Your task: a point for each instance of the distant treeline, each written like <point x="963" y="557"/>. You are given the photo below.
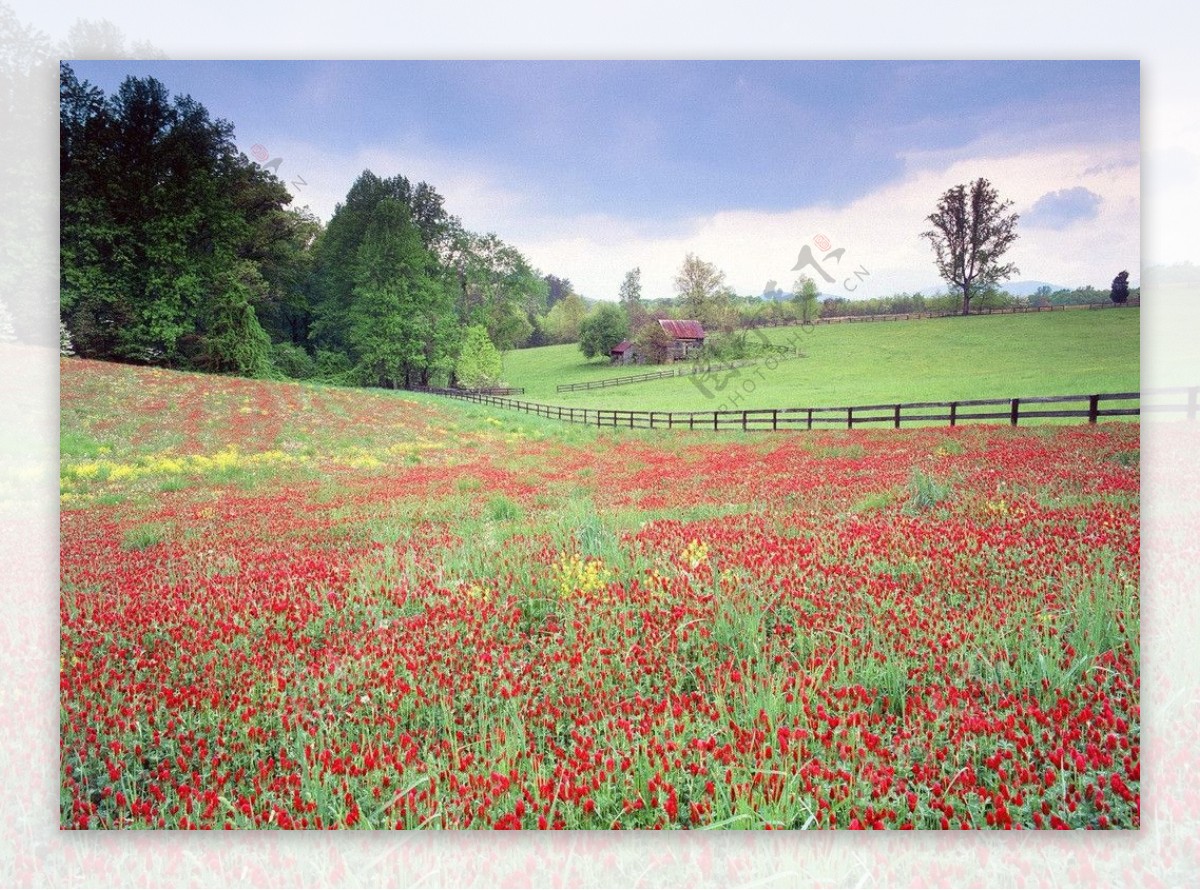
<point x="743" y="312"/>
<point x="996" y="298"/>
<point x="178" y="250"/>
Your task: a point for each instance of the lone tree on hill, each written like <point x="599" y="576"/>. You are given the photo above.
<point x="1120" y="288"/>
<point x="972" y="230"/>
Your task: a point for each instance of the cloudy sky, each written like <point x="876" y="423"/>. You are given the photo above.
<point x="591" y="168"/>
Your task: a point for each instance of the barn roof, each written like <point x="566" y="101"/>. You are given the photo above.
<point x="623" y="346"/>
<point x="683" y="330"/>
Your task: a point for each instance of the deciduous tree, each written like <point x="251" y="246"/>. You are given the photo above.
<point x="401" y="318"/>
<point x="630" y="297"/>
<point x="701" y="287"/>
<point x="159" y="217"/>
<point x="971" y="231"/>
<point x="479" y="361"/>
<point x="602" y="330"/>
<point x="561" y="323"/>
<point x="804" y="298"/>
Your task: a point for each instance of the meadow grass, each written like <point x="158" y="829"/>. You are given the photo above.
<point x="938" y="359"/>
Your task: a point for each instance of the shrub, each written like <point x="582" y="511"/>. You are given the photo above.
<point x="293" y="361"/>
<point x="924" y="492"/>
<point x="653" y="343"/>
<point x="65" y="347"/>
<point x="333" y="367"/>
<point x="142" y="536"/>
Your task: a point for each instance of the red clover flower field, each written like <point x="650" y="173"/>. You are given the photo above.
<point x="290" y="606"/>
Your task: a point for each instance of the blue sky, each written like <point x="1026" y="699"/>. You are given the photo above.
<point x="591" y="167"/>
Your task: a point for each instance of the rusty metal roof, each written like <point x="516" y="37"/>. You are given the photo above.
<point x="683" y="330"/>
<point x="622" y="346"/>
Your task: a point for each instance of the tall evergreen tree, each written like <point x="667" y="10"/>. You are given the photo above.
<point x="1119" y="293"/>
<point x="556" y="289"/>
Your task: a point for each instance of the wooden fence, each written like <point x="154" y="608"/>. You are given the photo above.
<point x="1089" y="408"/>
<point x="482" y="391"/>
<point x="904" y="316"/>
<point x="657" y="375"/>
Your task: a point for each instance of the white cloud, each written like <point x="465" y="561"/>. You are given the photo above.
<point x="880" y="231"/>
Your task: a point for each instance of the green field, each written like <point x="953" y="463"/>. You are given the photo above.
<point x="939" y="359"/>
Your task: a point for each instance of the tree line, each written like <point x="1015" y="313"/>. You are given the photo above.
<point x="177" y="250"/>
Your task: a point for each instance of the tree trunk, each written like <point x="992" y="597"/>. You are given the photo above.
<point x="966" y="306"/>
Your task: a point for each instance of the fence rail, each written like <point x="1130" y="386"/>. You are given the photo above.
<point x="661" y="375"/>
<point x="1090" y="408"/>
<point x="904" y="316"/>
<point x="482" y="391"/>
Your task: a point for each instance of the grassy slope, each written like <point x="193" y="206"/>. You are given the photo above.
<point x="928" y="359"/>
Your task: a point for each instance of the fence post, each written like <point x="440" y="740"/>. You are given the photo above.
<point x="715" y="421"/>
<point x="1093" y="408"/>
<point x="897" y="417"/>
<point x="744" y="413"/>
<point x="810" y="418"/>
<point x="775" y="420"/>
<point x="1016" y="411"/>
<point x="1191" y="415"/>
<point x="953" y="412"/>
<point x="691" y="421"/>
<point x="849" y="418"/>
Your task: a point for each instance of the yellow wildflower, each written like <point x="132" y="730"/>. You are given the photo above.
<point x="695" y="553"/>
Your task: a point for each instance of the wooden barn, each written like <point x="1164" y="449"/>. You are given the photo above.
<point x="624" y="353"/>
<point x="688" y="337"/>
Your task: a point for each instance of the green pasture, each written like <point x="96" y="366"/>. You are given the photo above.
<point x="939" y="359"/>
